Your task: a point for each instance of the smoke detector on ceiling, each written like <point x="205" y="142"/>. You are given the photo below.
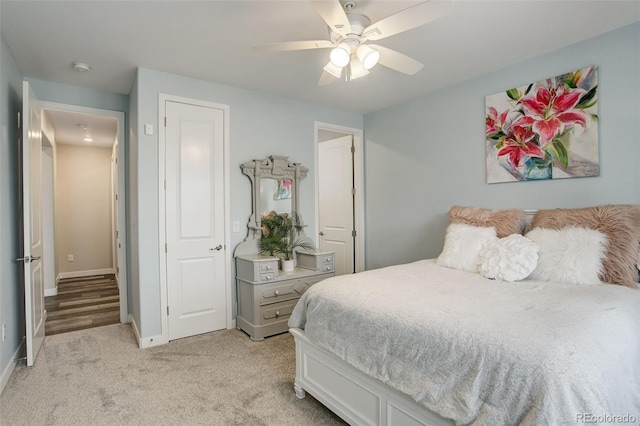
<point x="81" y="67"/>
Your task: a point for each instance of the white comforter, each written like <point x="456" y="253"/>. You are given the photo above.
<point x="480" y="351"/>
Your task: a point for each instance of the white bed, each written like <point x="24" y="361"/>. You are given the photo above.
<point x="423" y="344"/>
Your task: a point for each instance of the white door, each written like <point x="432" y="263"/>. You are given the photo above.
<point x="32" y="222"/>
<point x="195" y="222"/>
<point x="335" y="210"/>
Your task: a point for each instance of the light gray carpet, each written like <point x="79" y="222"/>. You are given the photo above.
<point x="100" y="377"/>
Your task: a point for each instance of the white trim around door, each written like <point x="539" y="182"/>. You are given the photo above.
<point x="121" y="272"/>
<point x="162" y="100"/>
<point x="358" y="179"/>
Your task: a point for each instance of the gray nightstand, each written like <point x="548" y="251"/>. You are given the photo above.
<point x="267" y="296"/>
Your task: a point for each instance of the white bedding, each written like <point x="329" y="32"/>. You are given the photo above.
<point x="480" y="351"/>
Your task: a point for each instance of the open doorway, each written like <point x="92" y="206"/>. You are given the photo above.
<point x="340" y="195"/>
<point x="84" y="217"/>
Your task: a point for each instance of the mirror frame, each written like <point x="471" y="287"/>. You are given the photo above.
<point x="274" y="167"/>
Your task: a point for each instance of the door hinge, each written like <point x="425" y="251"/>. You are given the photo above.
<point x="165" y="247"/>
<point x="165" y="185"/>
<point x="165" y="122"/>
<point x="19" y="120"/>
<point x="353" y="233"/>
<point x="117" y="269"/>
<point x="117" y="233"/>
<point x="353" y="191"/>
<point x="353" y="149"/>
<point x="167" y="311"/>
<point x="116" y="197"/>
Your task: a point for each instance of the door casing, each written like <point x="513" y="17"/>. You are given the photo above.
<point x="123" y="283"/>
<point x="358" y="179"/>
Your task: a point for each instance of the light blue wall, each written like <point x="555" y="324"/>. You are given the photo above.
<point x="426" y="155"/>
<point x="260" y="125"/>
<point x="11" y="292"/>
<point x="80" y="96"/>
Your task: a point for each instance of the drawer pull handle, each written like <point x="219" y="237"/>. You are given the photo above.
<point x="268" y="277"/>
<point x="328" y="259"/>
<point x="328" y="268"/>
<point x="277" y="314"/>
<point x="277" y="292"/>
<point x="267" y="267"/>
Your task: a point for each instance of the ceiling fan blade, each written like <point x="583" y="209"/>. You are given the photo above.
<point x="333" y="14"/>
<point x="330" y="73"/>
<point x="292" y="45"/>
<point x="326" y="79"/>
<point x="407" y="19"/>
<point x="397" y="61"/>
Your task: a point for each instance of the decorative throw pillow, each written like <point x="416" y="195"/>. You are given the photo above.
<point x="511" y="258"/>
<point x="506" y="222"/>
<point x="569" y="255"/>
<point x="462" y="243"/>
<point x="621" y="225"/>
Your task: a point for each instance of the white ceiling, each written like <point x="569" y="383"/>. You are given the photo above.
<point x="210" y="40"/>
<point x="72" y="128"/>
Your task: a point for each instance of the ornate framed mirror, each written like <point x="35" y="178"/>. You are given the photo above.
<point x="275" y="185"/>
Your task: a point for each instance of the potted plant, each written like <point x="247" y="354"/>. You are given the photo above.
<point x="281" y="235"/>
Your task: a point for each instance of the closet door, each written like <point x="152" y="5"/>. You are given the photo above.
<point x="195" y="222"/>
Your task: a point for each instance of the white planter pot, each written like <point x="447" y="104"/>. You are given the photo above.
<point x="288" y="265"/>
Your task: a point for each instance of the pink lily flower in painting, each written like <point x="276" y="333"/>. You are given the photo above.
<point x="550" y="110"/>
<point x="519" y="143"/>
<point x="495" y="122"/>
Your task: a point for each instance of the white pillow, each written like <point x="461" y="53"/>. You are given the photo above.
<point x="511" y="258"/>
<point x="462" y="243"/>
<point x="569" y="255"/>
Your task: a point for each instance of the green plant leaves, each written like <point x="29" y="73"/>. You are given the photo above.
<point x="589" y="99"/>
<point x="559" y="152"/>
<point x="513" y="94"/>
<point x="282" y="234"/>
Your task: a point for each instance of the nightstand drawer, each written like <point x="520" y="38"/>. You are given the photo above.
<point x="269" y="266"/>
<point x="269" y="276"/>
<point x="275" y="293"/>
<point x="316" y="261"/>
<point x="257" y="268"/>
<point x="277" y="311"/>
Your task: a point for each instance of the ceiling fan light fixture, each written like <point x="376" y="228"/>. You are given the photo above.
<point x="368" y="57"/>
<point x="356" y="69"/>
<point x="340" y="55"/>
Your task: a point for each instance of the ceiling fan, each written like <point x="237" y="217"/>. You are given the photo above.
<point x="351" y="56"/>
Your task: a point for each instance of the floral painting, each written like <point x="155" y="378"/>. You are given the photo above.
<point x="544" y="130"/>
<point x="283" y="189"/>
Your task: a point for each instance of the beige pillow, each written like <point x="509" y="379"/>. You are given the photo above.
<point x="621" y="225"/>
<point x="506" y="222"/>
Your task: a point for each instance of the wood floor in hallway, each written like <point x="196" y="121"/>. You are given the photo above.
<point x="84" y="302"/>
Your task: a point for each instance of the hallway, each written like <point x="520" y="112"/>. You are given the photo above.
<point x="81" y="303"/>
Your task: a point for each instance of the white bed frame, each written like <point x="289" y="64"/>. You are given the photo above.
<point x="355" y="397"/>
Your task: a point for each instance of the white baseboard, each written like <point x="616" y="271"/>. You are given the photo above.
<point x="6" y="373"/>
<point x="79" y="274"/>
<point x="50" y="292"/>
<point x="146" y="342"/>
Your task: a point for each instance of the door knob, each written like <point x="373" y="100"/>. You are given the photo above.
<point x="321" y="233"/>
<point x="218" y="247"/>
<point x="28" y="259"/>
